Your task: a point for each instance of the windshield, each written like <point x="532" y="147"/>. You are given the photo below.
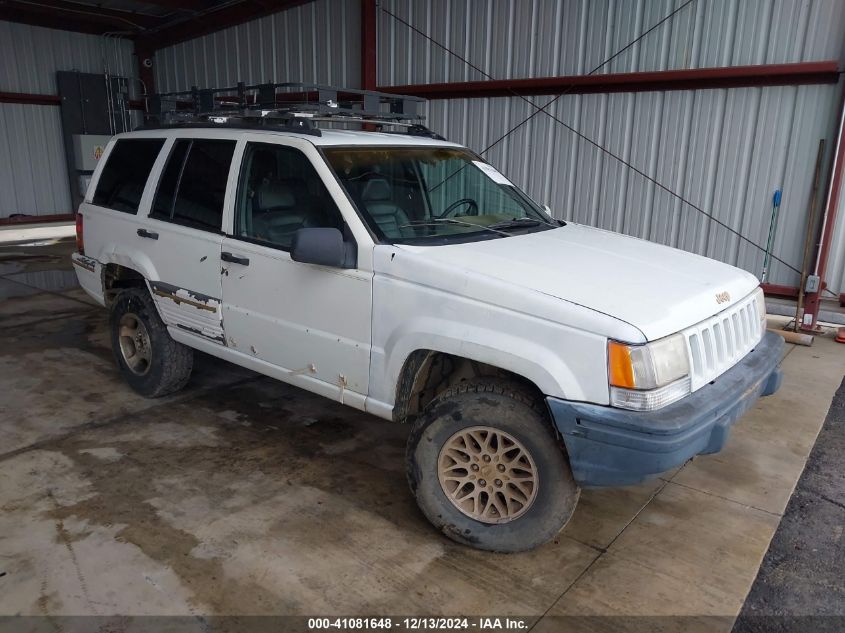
<point x="433" y="195"/>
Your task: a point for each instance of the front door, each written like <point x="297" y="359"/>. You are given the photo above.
<point x="311" y="323"/>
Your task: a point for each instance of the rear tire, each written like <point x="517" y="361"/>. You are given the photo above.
<point x="487" y="469"/>
<point x="152" y="363"/>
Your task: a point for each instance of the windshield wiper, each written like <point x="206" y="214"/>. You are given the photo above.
<point x="436" y="221"/>
<point x="516" y="223"/>
<point x="525" y="221"/>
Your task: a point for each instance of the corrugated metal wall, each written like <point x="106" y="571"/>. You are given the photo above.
<point x="319" y="42"/>
<point x="31" y="55"/>
<point x="537" y="38"/>
<point x="724" y="150"/>
<point x="33" y="172"/>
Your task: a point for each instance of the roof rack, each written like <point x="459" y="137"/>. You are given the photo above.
<point x="293" y="107"/>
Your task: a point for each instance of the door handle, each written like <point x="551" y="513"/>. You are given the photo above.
<point x="146" y="233"/>
<point x="235" y="259"/>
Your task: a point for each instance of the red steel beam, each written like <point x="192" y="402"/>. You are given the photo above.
<point x="697" y="78"/>
<point x="26" y="98"/>
<point x="368" y="44"/>
<point x="176" y="5"/>
<point x="145" y="58"/>
<point x="38" y="219"/>
<point x="776" y="290"/>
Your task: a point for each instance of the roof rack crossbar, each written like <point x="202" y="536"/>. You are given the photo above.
<point x="268" y="94"/>
<point x="288" y="106"/>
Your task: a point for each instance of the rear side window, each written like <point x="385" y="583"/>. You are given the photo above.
<point x="169" y="183"/>
<point x="125" y="174"/>
<point x="193" y="184"/>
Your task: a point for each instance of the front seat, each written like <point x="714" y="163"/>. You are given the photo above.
<point x="276" y="217"/>
<point x="390" y="218"/>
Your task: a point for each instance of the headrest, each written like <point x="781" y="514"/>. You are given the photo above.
<point x="263" y="164"/>
<point x="274" y="195"/>
<point x="376" y="190"/>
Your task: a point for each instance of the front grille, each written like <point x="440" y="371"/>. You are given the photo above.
<point x="720" y="342"/>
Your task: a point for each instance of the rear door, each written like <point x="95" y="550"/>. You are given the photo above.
<point x="183" y="234"/>
<point x="111" y="208"/>
<point x="110" y="211"/>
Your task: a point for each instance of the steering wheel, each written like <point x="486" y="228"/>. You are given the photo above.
<point x="450" y="210"/>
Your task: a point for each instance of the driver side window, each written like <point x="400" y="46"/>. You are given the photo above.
<point x="279" y="193"/>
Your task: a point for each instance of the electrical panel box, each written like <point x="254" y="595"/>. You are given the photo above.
<point x="87" y="149"/>
<point x="813" y="283"/>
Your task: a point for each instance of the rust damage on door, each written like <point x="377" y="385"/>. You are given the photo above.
<point x="189" y="310"/>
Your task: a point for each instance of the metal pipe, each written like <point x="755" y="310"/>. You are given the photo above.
<point x="833" y="190"/>
<point x="103" y="46"/>
<point x="773" y="227"/>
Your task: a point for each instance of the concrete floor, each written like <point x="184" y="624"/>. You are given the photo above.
<point x="242" y="495"/>
<point x="801" y="583"/>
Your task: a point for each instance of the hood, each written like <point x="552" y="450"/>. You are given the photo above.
<point x="657" y="289"/>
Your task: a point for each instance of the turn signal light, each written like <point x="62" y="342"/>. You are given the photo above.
<point x="619" y="365"/>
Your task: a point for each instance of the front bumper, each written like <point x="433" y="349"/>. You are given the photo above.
<point x="615" y="447"/>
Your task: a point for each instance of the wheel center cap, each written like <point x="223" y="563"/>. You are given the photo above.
<point x="487" y="471"/>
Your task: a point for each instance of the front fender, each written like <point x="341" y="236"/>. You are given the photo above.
<point x="516" y="354"/>
<point x="561" y="362"/>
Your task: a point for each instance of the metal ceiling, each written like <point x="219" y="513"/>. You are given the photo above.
<point x="154" y="23"/>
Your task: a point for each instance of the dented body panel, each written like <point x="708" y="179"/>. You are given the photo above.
<point x="186" y="287"/>
<point x="310" y="319"/>
<point x="190" y="311"/>
<point x="89" y="272"/>
<point x="422" y="304"/>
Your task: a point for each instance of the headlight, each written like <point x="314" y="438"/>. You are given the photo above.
<point x="647" y="377"/>
<point x="760" y="300"/>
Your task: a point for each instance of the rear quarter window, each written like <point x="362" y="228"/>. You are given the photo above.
<point x="125" y="174"/>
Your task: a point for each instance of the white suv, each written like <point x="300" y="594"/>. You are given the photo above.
<point x="404" y="276"/>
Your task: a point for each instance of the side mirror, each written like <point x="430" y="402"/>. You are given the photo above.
<point x="548" y="210"/>
<point x="322" y="246"/>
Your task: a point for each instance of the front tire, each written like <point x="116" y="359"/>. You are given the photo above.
<point x="152" y="363"/>
<point x="487" y="470"/>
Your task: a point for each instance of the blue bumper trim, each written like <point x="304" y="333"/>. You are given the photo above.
<point x="615" y="447"/>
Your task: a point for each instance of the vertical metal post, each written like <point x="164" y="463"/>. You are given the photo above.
<point x="813" y="299"/>
<point x="144" y="56"/>
<point x="800" y="322"/>
<point x="368" y="45"/>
